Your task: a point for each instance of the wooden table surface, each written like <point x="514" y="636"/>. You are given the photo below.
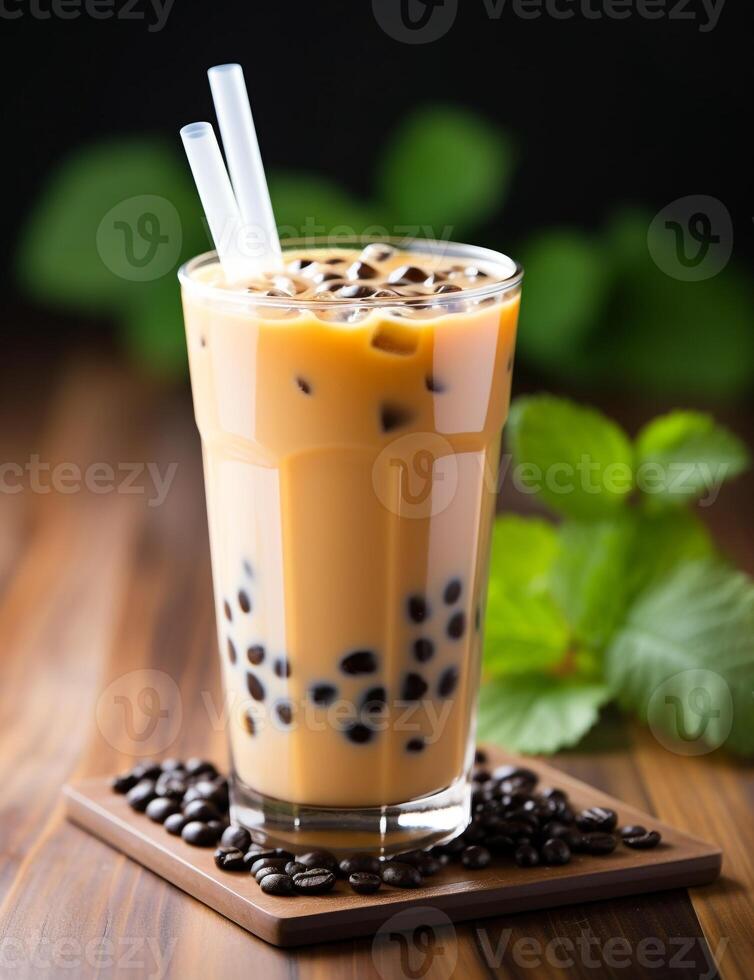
<point x="104" y="594"/>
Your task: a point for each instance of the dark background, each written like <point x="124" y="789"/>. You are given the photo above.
<point x="604" y="111"/>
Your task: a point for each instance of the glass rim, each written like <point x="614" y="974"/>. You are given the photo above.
<point x="429" y="245"/>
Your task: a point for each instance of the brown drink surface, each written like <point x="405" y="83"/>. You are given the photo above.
<point x="350" y="458"/>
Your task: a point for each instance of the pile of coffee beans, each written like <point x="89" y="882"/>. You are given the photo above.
<point x="512" y="819"/>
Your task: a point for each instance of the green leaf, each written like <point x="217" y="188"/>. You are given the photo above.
<point x="523" y="632"/>
<point x="523" y="550"/>
<point x="74" y="250"/>
<point x="661" y="541"/>
<point x="152" y="327"/>
<point x="445" y="167"/>
<point x="691" y="632"/>
<point x="307" y="205"/>
<point x="567" y="280"/>
<point x="536" y="713"/>
<point x="588" y="578"/>
<point x="577" y="460"/>
<point x="685" y="455"/>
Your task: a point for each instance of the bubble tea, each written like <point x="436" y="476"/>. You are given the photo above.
<point x="350" y="406"/>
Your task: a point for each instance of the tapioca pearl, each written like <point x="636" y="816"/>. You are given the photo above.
<point x="248" y="723"/>
<point x="361" y="270"/>
<point x="404" y="275"/>
<point x="377" y="252"/>
<point x="448" y="682"/>
<point x="394" y="416"/>
<point x="474" y="272"/>
<point x="255" y="687"/>
<point x="434" y="384"/>
<point x="303" y="386"/>
<point x="228" y="611"/>
<point x="374" y="700"/>
<point x="323" y="694"/>
<point x="414" y="687"/>
<point x="424" y="649"/>
<point x="322" y="277"/>
<point x="415" y="745"/>
<point x="457" y="625"/>
<point x="359" y="662"/>
<point x="359" y="733"/>
<point x="452" y="591"/>
<point x="244" y="601"/>
<point x="282" y="667"/>
<point x="255" y="654"/>
<point x="298" y="265"/>
<point x="284" y="711"/>
<point x="232" y="655"/>
<point x="418" y="609"/>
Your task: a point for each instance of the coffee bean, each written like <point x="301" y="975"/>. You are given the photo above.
<point x="315" y="881"/>
<point x="251" y="856"/>
<point x="457" y="626"/>
<point x="323" y="694"/>
<point x="172" y="766"/>
<point x="418" y="610"/>
<point x="526" y="856"/>
<point x="597" y="818"/>
<point x="268" y="864"/>
<point x="175" y="824"/>
<point x="238" y="837"/>
<point x="123" y="783"/>
<point x="364" y="882"/>
<point x="277" y="884"/>
<point x="318" y="859"/>
<point x="255" y="655"/>
<point x="553" y="794"/>
<point x="255" y="687"/>
<point x="218" y="826"/>
<point x="414" y="687"/>
<point x="434" y="384"/>
<point x="171" y="785"/>
<point x="160" y="808"/>
<point x="555" y="851"/>
<point x="415" y="745"/>
<point x="200" y="810"/>
<point x="361" y="270"/>
<point x="229" y="859"/>
<point x="374" y="700"/>
<point x="393" y="416"/>
<point x="594" y="843"/>
<point x="294" y="868"/>
<point x="644" y="841"/>
<point x="633" y="830"/>
<point x="228" y="611"/>
<point x="448" y="682"/>
<point x="424" y="649"/>
<point x="205" y="789"/>
<point x="232" y="655"/>
<point x="452" y="592"/>
<point x="148" y="769"/>
<point x="273" y="852"/>
<point x="358" y="733"/>
<point x="404" y="275"/>
<point x="200" y="767"/>
<point x="304" y="386"/>
<point x="475" y="857"/>
<point x="354" y="291"/>
<point x="141" y="795"/>
<point x="361" y="861"/>
<point x="199" y="834"/>
<point x="401" y="875"/>
<point x="282" y="667"/>
<point x="359" y="662"/>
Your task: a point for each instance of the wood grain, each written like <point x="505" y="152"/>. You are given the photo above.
<point x="96" y="586"/>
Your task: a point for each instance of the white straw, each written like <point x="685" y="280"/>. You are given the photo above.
<point x="244" y="159"/>
<point x="216" y="196"/>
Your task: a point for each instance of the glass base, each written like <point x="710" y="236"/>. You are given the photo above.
<point x="382" y="830"/>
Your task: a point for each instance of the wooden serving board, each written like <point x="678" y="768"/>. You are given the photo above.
<point x="460" y="894"/>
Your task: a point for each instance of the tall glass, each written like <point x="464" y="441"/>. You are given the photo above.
<point x="350" y="461"/>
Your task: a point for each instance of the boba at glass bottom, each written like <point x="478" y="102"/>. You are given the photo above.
<point x="383" y="830"/>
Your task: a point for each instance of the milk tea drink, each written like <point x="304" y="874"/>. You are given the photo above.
<point x="350" y="409"/>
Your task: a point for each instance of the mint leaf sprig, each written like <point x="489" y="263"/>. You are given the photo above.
<point x="628" y="595"/>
